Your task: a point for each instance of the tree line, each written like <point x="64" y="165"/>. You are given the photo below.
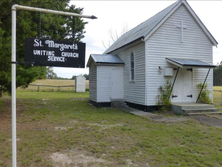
<point x="218" y="75"/>
<point x="52" y="75"/>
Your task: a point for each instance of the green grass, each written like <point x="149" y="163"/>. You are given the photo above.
<point x="128" y="137"/>
<point x="51" y="95"/>
<point x="106" y="133"/>
<point x="217" y="97"/>
<point x="1" y="105"/>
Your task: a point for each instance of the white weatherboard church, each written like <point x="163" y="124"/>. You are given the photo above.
<point x="172" y="45"/>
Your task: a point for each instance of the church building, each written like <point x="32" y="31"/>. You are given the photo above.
<point x="174" y="45"/>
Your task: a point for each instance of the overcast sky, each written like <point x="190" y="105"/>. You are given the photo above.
<point x="118" y="14"/>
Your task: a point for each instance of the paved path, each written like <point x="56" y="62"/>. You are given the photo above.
<point x="215" y="120"/>
<point x="155" y="117"/>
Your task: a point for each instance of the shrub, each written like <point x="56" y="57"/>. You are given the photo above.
<point x="164" y="102"/>
<point x="204" y="96"/>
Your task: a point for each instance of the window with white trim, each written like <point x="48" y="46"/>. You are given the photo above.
<point x="132" y="69"/>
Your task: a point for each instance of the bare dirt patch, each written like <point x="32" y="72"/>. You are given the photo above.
<point x="62" y="128"/>
<point x="76" y="158"/>
<point x="105" y="126"/>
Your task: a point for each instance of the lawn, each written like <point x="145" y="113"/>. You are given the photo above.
<point x="217" y="96"/>
<point x="63" y="129"/>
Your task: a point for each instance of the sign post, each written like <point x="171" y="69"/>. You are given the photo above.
<point x="13" y="67"/>
<point x="14" y="156"/>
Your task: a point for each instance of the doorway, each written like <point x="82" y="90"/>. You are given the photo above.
<point x="183" y="88"/>
<point x="117" y="83"/>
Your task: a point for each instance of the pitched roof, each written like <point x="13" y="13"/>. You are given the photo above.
<point x="148" y="27"/>
<point x="104" y="59"/>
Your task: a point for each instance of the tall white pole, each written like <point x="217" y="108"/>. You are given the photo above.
<point x="13" y="72"/>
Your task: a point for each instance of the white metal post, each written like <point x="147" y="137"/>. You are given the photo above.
<point x="13" y="72"/>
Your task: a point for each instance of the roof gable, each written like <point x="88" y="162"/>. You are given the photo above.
<point x="148" y="27"/>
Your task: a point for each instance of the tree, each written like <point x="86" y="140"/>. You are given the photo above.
<point x="33" y="24"/>
<point x="50" y="73"/>
<point x="86" y="76"/>
<point x="218" y="75"/>
<point x="114" y="35"/>
<point x="73" y="77"/>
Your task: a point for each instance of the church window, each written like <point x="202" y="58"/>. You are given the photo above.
<point x="132" y="69"/>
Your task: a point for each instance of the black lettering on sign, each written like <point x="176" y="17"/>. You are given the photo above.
<point x="46" y="52"/>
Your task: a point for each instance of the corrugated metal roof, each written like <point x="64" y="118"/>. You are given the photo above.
<point x="105" y="59"/>
<point x="140" y="31"/>
<point x="189" y="63"/>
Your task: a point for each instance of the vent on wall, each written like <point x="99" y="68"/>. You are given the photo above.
<point x="168" y="72"/>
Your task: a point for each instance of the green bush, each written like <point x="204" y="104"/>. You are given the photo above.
<point x="204" y="96"/>
<point x="164" y="102"/>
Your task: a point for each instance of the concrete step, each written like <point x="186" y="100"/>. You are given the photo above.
<point x="197" y="107"/>
<point x="197" y="110"/>
<point x="119" y="104"/>
<point x="193" y="109"/>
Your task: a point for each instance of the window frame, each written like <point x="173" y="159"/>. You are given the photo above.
<point x="132" y="67"/>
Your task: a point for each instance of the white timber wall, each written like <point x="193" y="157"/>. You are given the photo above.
<point x="166" y="42"/>
<point x="134" y="91"/>
<point x="92" y="82"/>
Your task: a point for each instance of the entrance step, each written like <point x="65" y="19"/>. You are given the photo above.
<point x="204" y="113"/>
<point x="119" y="103"/>
<point x="194" y="109"/>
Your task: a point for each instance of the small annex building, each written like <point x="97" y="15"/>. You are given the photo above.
<point x="174" y="45"/>
<point x="105" y="79"/>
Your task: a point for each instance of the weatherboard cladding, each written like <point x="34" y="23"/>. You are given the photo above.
<point x="93" y="82"/>
<point x="166" y="42"/>
<point x="134" y="91"/>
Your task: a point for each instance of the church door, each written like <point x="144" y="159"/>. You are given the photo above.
<point x="183" y="87"/>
